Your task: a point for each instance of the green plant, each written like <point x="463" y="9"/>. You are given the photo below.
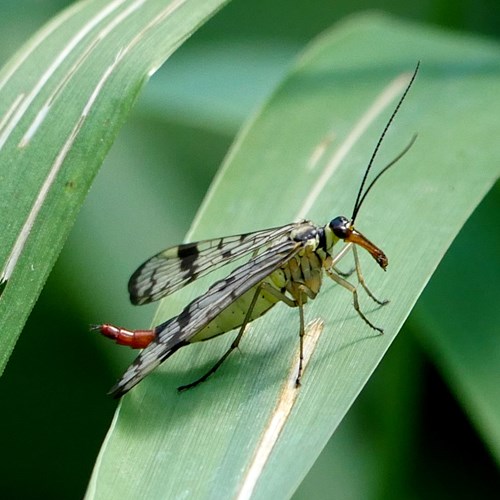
<point x="448" y="171"/>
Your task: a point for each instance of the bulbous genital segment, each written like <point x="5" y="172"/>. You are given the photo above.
<point x="135" y="339"/>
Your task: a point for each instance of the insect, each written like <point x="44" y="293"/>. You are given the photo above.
<point x="287" y="264"/>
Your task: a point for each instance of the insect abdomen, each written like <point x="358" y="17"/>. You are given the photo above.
<point x="233" y="316"/>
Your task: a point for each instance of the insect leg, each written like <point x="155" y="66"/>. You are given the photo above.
<point x="349" y="286"/>
<point x="232" y="347"/>
<point x="301" y="340"/>
<point x="361" y="279"/>
<point x="294" y="303"/>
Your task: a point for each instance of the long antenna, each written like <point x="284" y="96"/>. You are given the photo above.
<point x="387" y="167"/>
<point x="361" y="197"/>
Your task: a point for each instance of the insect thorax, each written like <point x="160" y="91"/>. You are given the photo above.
<point x="301" y="277"/>
<point x="320" y="239"/>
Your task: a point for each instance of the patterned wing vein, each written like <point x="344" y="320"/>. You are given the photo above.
<point x="177" y="266"/>
<point x="196" y="315"/>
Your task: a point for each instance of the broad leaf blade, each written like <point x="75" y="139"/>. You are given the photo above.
<point x="458" y="319"/>
<point x="63" y="98"/>
<point x="222" y="439"/>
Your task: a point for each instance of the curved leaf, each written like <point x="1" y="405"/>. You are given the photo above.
<point x="63" y="98"/>
<point x="458" y="318"/>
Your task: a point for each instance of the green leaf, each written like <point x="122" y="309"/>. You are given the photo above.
<point x="63" y="98"/>
<point x="458" y="318"/>
<point x="247" y="431"/>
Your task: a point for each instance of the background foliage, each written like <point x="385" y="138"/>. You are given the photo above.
<point x="55" y="414"/>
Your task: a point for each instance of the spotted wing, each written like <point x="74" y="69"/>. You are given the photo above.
<point x="177" y="266"/>
<point x="177" y="331"/>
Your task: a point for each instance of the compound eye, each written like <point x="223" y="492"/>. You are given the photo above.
<point x="341" y="227"/>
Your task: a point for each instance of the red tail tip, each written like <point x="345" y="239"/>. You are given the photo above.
<point x="136" y="339"/>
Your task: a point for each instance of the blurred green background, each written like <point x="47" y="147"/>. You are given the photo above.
<point x="409" y="434"/>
